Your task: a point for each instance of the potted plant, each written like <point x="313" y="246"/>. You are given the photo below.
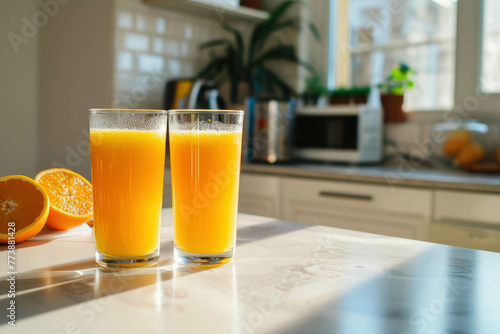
<point x="314" y="90"/>
<point x="256" y="4"/>
<point x="392" y="93"/>
<point x="251" y="65"/>
<point x="360" y="94"/>
<point x="340" y="96"/>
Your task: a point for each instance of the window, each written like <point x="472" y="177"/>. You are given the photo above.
<point x="475" y="30"/>
<point x="490" y="55"/>
<point x="420" y="33"/>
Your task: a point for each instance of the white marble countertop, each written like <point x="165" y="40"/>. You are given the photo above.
<point x="286" y="278"/>
<point x="393" y="175"/>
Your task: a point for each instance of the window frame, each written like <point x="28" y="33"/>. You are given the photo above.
<point x="469" y="100"/>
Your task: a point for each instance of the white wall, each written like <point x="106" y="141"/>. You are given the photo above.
<point x="76" y="73"/>
<point x="18" y="92"/>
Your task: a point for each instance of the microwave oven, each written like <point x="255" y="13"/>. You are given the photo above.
<point x="345" y="134"/>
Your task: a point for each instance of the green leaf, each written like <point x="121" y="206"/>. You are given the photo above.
<point x="207" y="71"/>
<point x="234" y="63"/>
<point x="281" y="9"/>
<point x="234" y="72"/>
<point x="398" y="80"/>
<point x="314" y="30"/>
<point x="233" y="91"/>
<point x="286" y="90"/>
<point x="398" y="91"/>
<point x="274" y="16"/>
<point x="282" y="52"/>
<point x="237" y="36"/>
<point x="259" y="40"/>
<point x="215" y="42"/>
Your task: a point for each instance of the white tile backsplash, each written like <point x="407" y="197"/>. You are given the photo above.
<point x="404" y="133"/>
<point x="124" y="20"/>
<point x="135" y="42"/>
<point x="155" y="41"/>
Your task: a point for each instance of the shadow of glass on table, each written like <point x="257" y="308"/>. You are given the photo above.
<point x="270" y="229"/>
<point x="47" y="235"/>
<point x="52" y="288"/>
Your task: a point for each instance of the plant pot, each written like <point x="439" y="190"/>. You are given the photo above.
<point x="393" y="108"/>
<point x="361" y="99"/>
<point x="256" y="4"/>
<point x="339" y="100"/>
<point x="310" y="99"/>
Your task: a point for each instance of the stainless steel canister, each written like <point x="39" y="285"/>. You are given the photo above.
<point x="270" y="126"/>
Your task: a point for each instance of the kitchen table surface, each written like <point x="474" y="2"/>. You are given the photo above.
<point x="286" y="278"/>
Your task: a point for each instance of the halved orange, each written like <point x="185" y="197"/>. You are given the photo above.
<point x="70" y="198"/>
<point x="24" y="208"/>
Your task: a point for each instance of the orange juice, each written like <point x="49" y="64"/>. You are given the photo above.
<point x="205" y="178"/>
<point x="127" y="177"/>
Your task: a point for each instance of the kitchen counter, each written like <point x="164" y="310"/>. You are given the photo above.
<point x="392" y="176"/>
<point x="286" y="278"/>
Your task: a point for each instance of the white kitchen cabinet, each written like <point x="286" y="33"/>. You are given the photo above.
<point x="466" y="219"/>
<point x="467" y="207"/>
<point x="167" y="189"/>
<point x="260" y="195"/>
<point x="468" y="235"/>
<point x="399" y="212"/>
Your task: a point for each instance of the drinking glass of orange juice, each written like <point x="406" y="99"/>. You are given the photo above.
<point x="128" y="163"/>
<point x="205" y="156"/>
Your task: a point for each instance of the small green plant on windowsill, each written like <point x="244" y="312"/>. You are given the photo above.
<point x="392" y="92"/>
<point x="314" y="90"/>
<point x="398" y="81"/>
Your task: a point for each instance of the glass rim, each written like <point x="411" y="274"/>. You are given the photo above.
<point x="206" y="111"/>
<point x="128" y="111"/>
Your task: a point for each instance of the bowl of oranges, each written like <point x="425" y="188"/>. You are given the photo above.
<point x="468" y="144"/>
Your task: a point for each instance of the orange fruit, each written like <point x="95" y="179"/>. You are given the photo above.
<point x="455" y="142"/>
<point x="469" y="155"/>
<point x="24" y="208"/>
<point x="70" y="197"/>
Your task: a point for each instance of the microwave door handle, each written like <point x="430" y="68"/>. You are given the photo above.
<point x="331" y="194"/>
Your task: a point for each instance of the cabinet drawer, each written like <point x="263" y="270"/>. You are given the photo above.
<point x="457" y="206"/>
<point x="477" y="236"/>
<point x="358" y="196"/>
<point x="259" y="195"/>
<point x="369" y="208"/>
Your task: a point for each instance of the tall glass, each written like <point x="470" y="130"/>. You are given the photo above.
<point x="205" y="155"/>
<point x="128" y="163"/>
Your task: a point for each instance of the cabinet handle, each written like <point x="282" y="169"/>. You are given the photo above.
<point x="346" y="196"/>
<point x="467" y="224"/>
